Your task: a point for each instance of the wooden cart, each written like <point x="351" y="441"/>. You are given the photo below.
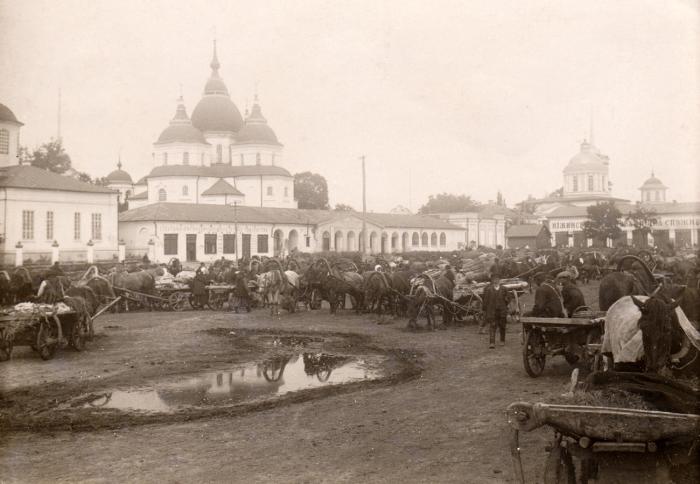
<point x="44" y="331"/>
<point x="610" y="445"/>
<point x="577" y="339"/>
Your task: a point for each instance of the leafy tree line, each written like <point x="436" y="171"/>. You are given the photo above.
<point x="52" y="156"/>
<point x="605" y="220"/>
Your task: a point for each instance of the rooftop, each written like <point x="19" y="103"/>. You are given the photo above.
<point x="222" y="187"/>
<point x="218" y="170"/>
<point x="31" y="177"/>
<point x="525" y="230"/>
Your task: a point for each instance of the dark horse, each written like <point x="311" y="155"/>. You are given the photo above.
<point x="378" y="292"/>
<point x="632" y="277"/>
<point x="335" y="284"/>
<point x="548" y="301"/>
<point x="429" y="292"/>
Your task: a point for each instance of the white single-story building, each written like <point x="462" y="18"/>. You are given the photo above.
<point x="203" y="232"/>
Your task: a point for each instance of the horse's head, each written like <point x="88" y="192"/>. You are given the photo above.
<point x="660" y="330"/>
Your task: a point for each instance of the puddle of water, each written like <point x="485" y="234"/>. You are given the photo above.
<point x="254" y="381"/>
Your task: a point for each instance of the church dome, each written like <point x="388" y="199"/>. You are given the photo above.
<point x="180" y="128"/>
<point x="587" y="159"/>
<point x="215" y="111"/>
<point x="652" y="182"/>
<point x="119" y="175"/>
<point x="7" y="116"/>
<point x="256" y="130"/>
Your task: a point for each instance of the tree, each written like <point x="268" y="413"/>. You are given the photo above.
<point x="49" y="156"/>
<point x="603" y="222"/>
<point x="341" y="207"/>
<point x="448" y="202"/>
<point x="311" y="190"/>
<point x="642" y="219"/>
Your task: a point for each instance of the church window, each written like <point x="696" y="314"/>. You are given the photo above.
<point x="273" y="158"/>
<point x="186" y="158"/>
<point x="286" y="191"/>
<point x="185" y="190"/>
<point x="202" y="159"/>
<point x="242" y="162"/>
<point x="648" y="196"/>
<point x="49" y="225"/>
<point x="4" y="141"/>
<point x="656" y="195"/>
<point x="575" y="179"/>
<point x="257" y="158"/>
<point x="269" y="191"/>
<point x="590" y="183"/>
<point x="219" y="153"/>
<point x="210" y="243"/>
<point x="165" y="158"/>
<point x="96" y="226"/>
<point x="162" y="195"/>
<point x="28" y="224"/>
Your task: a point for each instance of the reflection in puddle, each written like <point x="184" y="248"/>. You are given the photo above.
<point x="255" y="381"/>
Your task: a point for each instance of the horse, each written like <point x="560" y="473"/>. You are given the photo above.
<point x="336" y="284"/>
<point x="400" y="283"/>
<point x="572" y="297"/>
<point x="21" y="285"/>
<point x="429" y="292"/>
<point x="625" y="282"/>
<point x="644" y="331"/>
<point x="271" y="284"/>
<point x="377" y="291"/>
<point x="143" y="281"/>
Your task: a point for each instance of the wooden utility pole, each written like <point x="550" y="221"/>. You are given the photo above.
<point x="364" y="207"/>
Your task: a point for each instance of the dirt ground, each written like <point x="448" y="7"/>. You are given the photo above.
<point x="443" y="421"/>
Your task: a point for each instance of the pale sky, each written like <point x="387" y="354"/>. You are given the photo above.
<point x="457" y="96"/>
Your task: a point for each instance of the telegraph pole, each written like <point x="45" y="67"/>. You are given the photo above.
<point x="364" y="207"/>
<point x="235" y="230"/>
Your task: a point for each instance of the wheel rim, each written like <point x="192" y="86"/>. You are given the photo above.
<point x="44" y="344"/>
<point x="534" y="353"/>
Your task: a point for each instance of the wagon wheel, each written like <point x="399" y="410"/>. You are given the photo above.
<point x="594" y="338"/>
<point x="177" y="301"/>
<point x="79" y="333"/>
<point x="6" y="351"/>
<point x="559" y="468"/>
<point x="514" y="308"/>
<point x="46" y="339"/>
<point x="534" y="353"/>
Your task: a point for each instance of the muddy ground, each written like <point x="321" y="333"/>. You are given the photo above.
<point x="437" y="417"/>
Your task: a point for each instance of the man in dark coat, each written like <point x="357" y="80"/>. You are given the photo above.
<point x="199" y="288"/>
<point x="240" y="293"/>
<point x="496" y="309"/>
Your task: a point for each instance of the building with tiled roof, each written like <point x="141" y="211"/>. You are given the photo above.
<point x="47" y="217"/>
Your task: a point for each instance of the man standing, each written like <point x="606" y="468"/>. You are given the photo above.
<point x="496" y="309"/>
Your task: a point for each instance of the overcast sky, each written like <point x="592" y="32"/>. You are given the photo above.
<point x="463" y="97"/>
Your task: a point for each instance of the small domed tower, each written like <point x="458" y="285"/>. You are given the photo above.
<point x="9" y="137"/>
<point x="121" y="181"/>
<point x="181" y="143"/>
<point x="587" y="173"/>
<point x="256" y="142"/>
<point x="653" y="190"/>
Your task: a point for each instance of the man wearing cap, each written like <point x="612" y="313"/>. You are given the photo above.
<point x="495" y="301"/>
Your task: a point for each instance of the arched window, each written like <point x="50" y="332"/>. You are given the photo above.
<point x="257" y="158"/>
<point x="269" y="191"/>
<point x="415" y="239"/>
<point x="433" y="239"/>
<point x="4" y="141"/>
<point x="575" y="183"/>
<point x="424" y="239"/>
<point x="590" y="183"/>
<point x="185" y="190"/>
<point x="165" y="158"/>
<point x="443" y="239"/>
<point x="186" y="158"/>
<point x="286" y="191"/>
<point x="273" y="158"/>
<point x="656" y="195"/>
<point x="219" y="153"/>
<point x="162" y="195"/>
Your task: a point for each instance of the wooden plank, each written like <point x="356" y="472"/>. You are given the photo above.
<point x="530" y="320"/>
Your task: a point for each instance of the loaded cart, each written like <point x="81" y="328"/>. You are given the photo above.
<point x="44" y="328"/>
<point x="577" y="339"/>
<point x="610" y="445"/>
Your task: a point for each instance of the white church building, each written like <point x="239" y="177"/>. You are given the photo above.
<point x="217" y="188"/>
